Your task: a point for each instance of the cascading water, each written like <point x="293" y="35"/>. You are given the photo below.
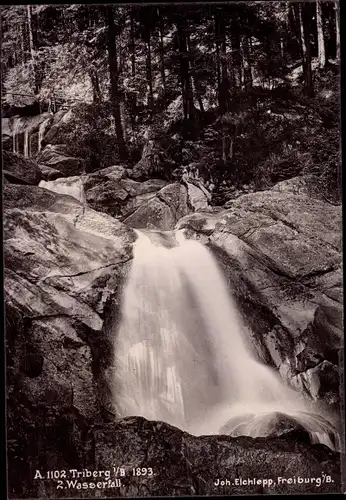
<point x="26" y="144"/>
<point x="71" y="186"/>
<point x="182" y="354"/>
<point x="16" y="127"/>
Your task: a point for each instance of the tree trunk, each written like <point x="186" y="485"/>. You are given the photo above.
<point x="149" y="73"/>
<point x="223" y="88"/>
<point x="224" y="69"/>
<point x="337" y="29"/>
<point x="246" y="62"/>
<point x="320" y="35"/>
<point x="236" y="52"/>
<point x="22" y="43"/>
<point x="132" y="46"/>
<point x="196" y="90"/>
<point x="114" y="79"/>
<point x="218" y="62"/>
<point x="95" y="86"/>
<point x="223" y="82"/>
<point x="162" y="53"/>
<point x="185" y="79"/>
<point x="306" y="51"/>
<point x="32" y="50"/>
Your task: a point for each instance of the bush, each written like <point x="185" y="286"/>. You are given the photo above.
<point x="91" y="136"/>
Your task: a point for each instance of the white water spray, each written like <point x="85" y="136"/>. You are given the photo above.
<point x="71" y="186"/>
<point x="182" y="353"/>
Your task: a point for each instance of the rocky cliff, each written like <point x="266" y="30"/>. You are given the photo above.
<point x="65" y="266"/>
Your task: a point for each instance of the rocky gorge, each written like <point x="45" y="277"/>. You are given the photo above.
<point x="68" y="246"/>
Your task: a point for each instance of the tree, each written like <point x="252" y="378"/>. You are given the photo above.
<point x="162" y="50"/>
<point x="147" y="20"/>
<point x="185" y="77"/>
<point x="320" y="35"/>
<point x="337" y="29"/>
<point x="305" y="48"/>
<point x="236" y="51"/>
<point x="114" y="79"/>
<point x="246" y="61"/>
<point x="132" y="44"/>
<point x="33" y="61"/>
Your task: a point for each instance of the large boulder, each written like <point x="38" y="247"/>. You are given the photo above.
<point x="57" y="157"/>
<point x="59" y="125"/>
<point x="149" y="165"/>
<point x="49" y="173"/>
<point x="281" y="255"/>
<point x="141" y="458"/>
<point x="64" y="267"/>
<point x="161" y="211"/>
<point x="20" y="170"/>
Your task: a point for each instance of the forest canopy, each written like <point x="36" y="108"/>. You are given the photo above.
<point x="250" y="89"/>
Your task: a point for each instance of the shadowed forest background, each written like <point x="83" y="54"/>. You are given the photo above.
<point x="241" y="95"/>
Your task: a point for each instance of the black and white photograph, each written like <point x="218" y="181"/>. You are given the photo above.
<point x="172" y="241"/>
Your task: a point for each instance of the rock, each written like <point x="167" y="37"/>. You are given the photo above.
<point x="153" y="203"/>
<point x="281" y="255"/>
<point x="110" y="191"/>
<point x="54" y="156"/>
<point x="20" y="170"/>
<point x="139" y="188"/>
<point x="196" y="466"/>
<point x="198" y="199"/>
<point x="307" y="358"/>
<point x="306" y="185"/>
<point x="50" y="174"/>
<point x="150" y="164"/>
<point x="153" y="214"/>
<point x="322" y="382"/>
<point x="57" y="131"/>
<point x="163" y="210"/>
<point x="176" y="197"/>
<point x="294" y="235"/>
<point x="64" y="264"/>
<point x="114" y="173"/>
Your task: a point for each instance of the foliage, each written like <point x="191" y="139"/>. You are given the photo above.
<point x="251" y="120"/>
<point x="90" y="136"/>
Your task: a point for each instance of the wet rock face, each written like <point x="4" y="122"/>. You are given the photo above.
<point x="281" y="255"/>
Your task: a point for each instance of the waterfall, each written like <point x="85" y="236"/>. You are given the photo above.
<point x="71" y="186"/>
<point x="16" y="127"/>
<point x="182" y="354"/>
<point x="26" y="144"/>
